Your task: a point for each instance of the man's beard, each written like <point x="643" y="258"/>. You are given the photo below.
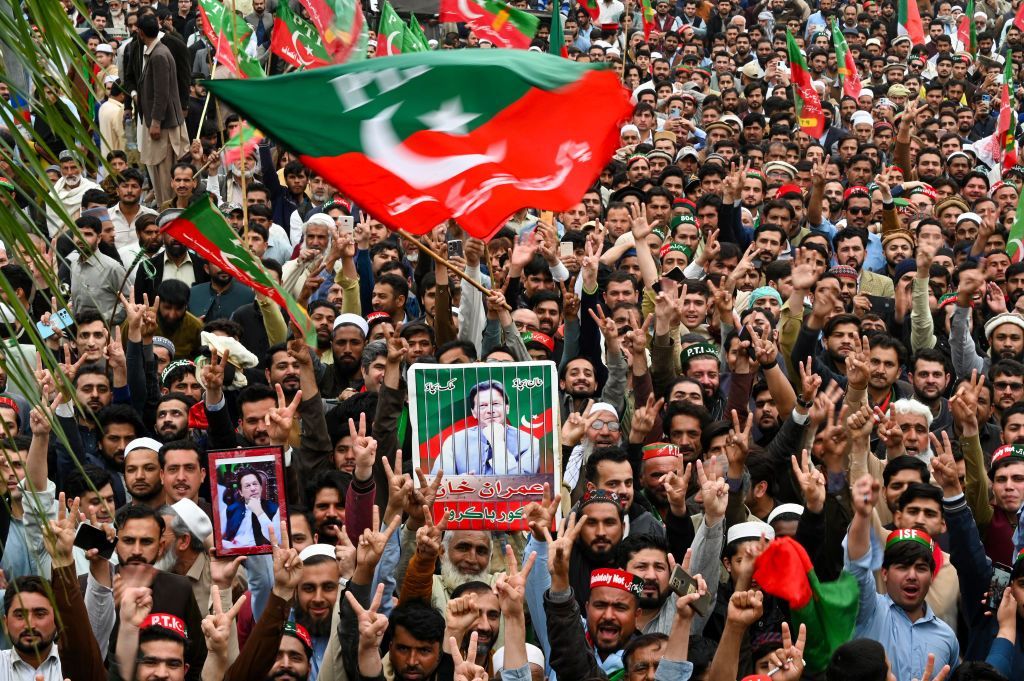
<point x="72" y="180"/>
<point x="168" y="561"/>
<point x="451" y="577"/>
<point x="326" y="537"/>
<point x="596" y="558"/>
<point x="652" y="603"/>
<point x="149" y="496"/>
<point x="316" y="628"/>
<point x="237" y="172"/>
<point x="169" y="326"/>
<point x="282" y="675"/>
<point x="171" y="436"/>
<point x="33" y="648"/>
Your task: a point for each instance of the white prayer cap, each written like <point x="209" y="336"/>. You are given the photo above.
<point x="353" y="320"/>
<point x="754" y="529"/>
<point x="195" y="519"/>
<point x="314" y="550"/>
<point x="534" y="655"/>
<point x="603" y="406"/>
<point x="142" y="443"/>
<point x="785" y="509"/>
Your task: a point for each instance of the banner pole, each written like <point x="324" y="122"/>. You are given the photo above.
<point x="437" y="257"/>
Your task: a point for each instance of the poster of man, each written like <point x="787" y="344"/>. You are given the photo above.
<point x="491" y="429"/>
<point x="249" y="499"/>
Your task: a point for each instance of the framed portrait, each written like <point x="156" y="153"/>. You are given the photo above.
<point x="248" y="493"/>
<point x="493" y="429"/>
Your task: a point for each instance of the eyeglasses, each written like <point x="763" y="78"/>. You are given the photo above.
<point x="613" y="426"/>
<point x="1006" y="385"/>
<point x="858" y="211"/>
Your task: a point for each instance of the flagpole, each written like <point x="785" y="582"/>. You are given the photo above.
<point x="206" y="104"/>
<point x="440" y="259"/>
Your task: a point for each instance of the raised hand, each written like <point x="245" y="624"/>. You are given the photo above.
<point x="929" y="667"/>
<point x="279" y="419"/>
<point x="811" y="481"/>
<point x="511" y="585"/>
<point x="964" y="404"/>
<point x="364" y="448"/>
<point x="638" y="223"/>
<point x="428" y="537"/>
<point x="213" y="372"/>
<point x="560" y="551"/>
<point x="575" y="427"/>
<point x="217" y="626"/>
<point x="789" y="659"/>
<point x="889" y="432"/>
<point x="136" y="604"/>
<point x="371" y="544"/>
<point x="857" y="365"/>
<point x="460" y="614"/>
<point x="345" y="554"/>
<point x="540" y="516"/>
<point x="371" y="623"/>
<point x="860" y="424"/>
<point x="644" y="418"/>
<point x="60" y="540"/>
<point x="114" y="352"/>
<point x="865" y="495"/>
<point x="737" y="444"/>
<point x="944" y="467"/>
<point x="287" y="568"/>
<point x="745" y="608"/>
<point x="714" y="492"/>
<point x="605" y="323"/>
<point x="466" y="668"/>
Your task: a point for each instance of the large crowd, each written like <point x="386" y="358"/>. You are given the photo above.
<point x="761" y="337"/>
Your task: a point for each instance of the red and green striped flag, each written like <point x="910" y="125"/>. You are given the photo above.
<point x="242" y="143"/>
<point x="647" y="15"/>
<point x="827" y="609"/>
<point x="296" y="41"/>
<point x="592" y="9"/>
<point x="339" y="23"/>
<point x="493" y="20"/>
<point x="1006" y="127"/>
<point x="556" y="38"/>
<point x="845" y="62"/>
<point x="414" y="40"/>
<point x="909" y="19"/>
<point x="1015" y="241"/>
<point x="417" y="139"/>
<point x="808" y="106"/>
<point x="390" y="32"/>
<point x="203" y="229"/>
<point x="228" y="33"/>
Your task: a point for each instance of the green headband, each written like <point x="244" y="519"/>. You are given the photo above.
<point x="698" y="350"/>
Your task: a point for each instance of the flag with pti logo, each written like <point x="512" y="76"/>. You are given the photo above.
<point x="473" y="135"/>
<point x="296" y="41"/>
<point x="494" y="20"/>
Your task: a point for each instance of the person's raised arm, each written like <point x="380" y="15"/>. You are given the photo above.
<point x="372" y="626"/>
<point x="817" y="197"/>
<point x="864" y="497"/>
<point x="640" y="229"/>
<point x="511" y="590"/>
<point x="136" y="604"/>
<point x="922" y="326"/>
<point x="745" y="608"/>
<point x="217" y="628"/>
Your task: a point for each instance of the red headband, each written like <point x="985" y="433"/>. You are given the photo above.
<point x="165" y="621"/>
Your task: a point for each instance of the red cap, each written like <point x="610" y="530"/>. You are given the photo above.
<point x="539" y="338"/>
<point x="788" y="189"/>
<point x="856" y="190"/>
<point x="165" y="621"/>
<point x="658" y="450"/>
<point x="9" y="403"/>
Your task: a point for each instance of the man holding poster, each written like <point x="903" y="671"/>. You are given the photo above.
<point x="491" y="428"/>
<point x="492" y="446"/>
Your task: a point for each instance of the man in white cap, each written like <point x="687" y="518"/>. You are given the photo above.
<point x="863" y="125"/>
<point x="738" y="558"/>
<point x="142" y="472"/>
<point x="316" y="240"/>
<point x="186" y="553"/>
<point x="1005" y="332"/>
<point x="348" y="339"/>
<point x="597" y="427"/>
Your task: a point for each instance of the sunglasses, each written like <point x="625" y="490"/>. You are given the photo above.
<point x="858" y="211"/>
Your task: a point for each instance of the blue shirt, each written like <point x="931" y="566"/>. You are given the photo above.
<point x="906" y="643"/>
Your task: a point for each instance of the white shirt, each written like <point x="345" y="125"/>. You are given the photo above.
<point x="245" y="536"/>
<point x="13" y="668"/>
<point x="610" y="12"/>
<point x="124" y="229"/>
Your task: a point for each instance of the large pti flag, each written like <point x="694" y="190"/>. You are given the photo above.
<point x="390" y="32"/>
<point x="494" y="20"/>
<point x="909" y="19"/>
<point x="202" y="228"/>
<point x="845" y="62"/>
<point x="296" y="41"/>
<point x="808" y="106"/>
<point x="473" y="135"/>
<point x="827" y="609"/>
<point x="339" y="23"/>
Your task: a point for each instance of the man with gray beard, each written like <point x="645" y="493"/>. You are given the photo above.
<point x="465" y="557"/>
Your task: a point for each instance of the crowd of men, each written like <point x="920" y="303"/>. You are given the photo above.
<point x="758" y="335"/>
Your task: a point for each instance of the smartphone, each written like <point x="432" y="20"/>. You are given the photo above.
<point x="455" y="248"/>
<point x="675" y="112"/>
<point x="89" y="537"/>
<point x="566" y="249"/>
<point x="986" y="98"/>
<point x="346" y="223"/>
<point x="682" y="583"/>
<point x="1000" y="580"/>
<point x="745" y="336"/>
<point x="63" y="319"/>
<point x="676" y="275"/>
<point x="547" y="217"/>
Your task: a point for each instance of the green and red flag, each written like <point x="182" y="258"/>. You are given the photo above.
<point x="339" y="23"/>
<point x="242" y="143"/>
<point x="647" y="15"/>
<point x="296" y="41"/>
<point x="966" y="31"/>
<point x="1005" y="144"/>
<point x="909" y="19"/>
<point x="415" y="40"/>
<point x="556" y="38"/>
<point x="473" y="135"/>
<point x="228" y="33"/>
<point x="591" y="7"/>
<point x="808" y="106"/>
<point x="827" y="609"/>
<point x="494" y="20"/>
<point x="845" y="63"/>
<point x="390" y="32"/>
<point x="1015" y="241"/>
<point x="202" y="228"/>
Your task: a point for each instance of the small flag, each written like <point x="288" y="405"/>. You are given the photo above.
<point x="296" y="41"/>
<point x="415" y="40"/>
<point x="828" y="610"/>
<point x="647" y="15"/>
<point x="339" y="23"/>
<point x="227" y="33"/>
<point x="845" y="62"/>
<point x="242" y="143"/>
<point x="203" y="229"/>
<point x="909" y="19"/>
<point x="966" y="31"/>
<point x="591" y="6"/>
<point x="473" y="135"/>
<point x="808" y="106"/>
<point x="390" y="32"/>
<point x="494" y="20"/>
<point x="556" y="38"/>
<point x="1015" y="241"/>
<point x="1005" y="142"/>
<point x="1018" y="20"/>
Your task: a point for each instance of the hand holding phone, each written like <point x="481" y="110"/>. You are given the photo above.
<point x="455" y="248"/>
<point x="90" y="537"/>
<point x="683" y="584"/>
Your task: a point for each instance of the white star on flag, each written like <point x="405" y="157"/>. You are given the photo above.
<point x="450" y="118"/>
